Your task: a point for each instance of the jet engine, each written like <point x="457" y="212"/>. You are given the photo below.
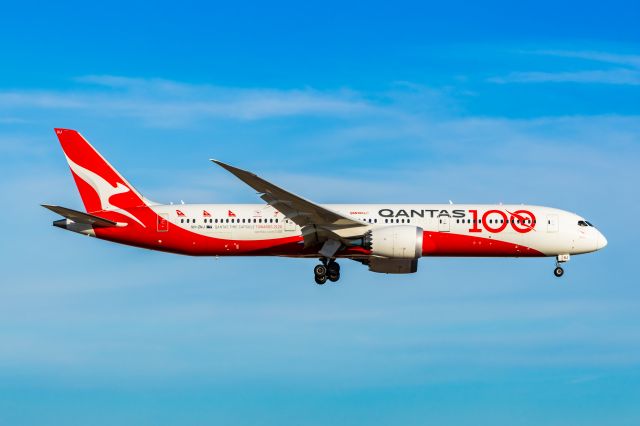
<point x="395" y="242"/>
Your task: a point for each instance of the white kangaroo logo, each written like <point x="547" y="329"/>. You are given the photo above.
<point x="103" y="188"/>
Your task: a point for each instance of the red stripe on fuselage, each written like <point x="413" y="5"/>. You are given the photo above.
<point x="449" y="244"/>
<point x="183" y="241"/>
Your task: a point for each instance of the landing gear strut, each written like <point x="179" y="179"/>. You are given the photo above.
<point x="328" y="270"/>
<point x="561" y="258"/>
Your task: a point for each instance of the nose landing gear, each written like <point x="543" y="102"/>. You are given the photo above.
<point x="328" y="270"/>
<point x="561" y="258"/>
<point x="558" y="272"/>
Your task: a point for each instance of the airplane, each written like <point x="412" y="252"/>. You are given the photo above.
<point x="387" y="238"/>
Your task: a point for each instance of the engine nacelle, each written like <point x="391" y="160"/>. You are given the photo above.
<point x="395" y="242"/>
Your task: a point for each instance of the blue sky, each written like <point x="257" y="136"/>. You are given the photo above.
<point x="362" y="102"/>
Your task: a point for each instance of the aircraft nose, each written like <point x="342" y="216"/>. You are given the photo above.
<point x="602" y="241"/>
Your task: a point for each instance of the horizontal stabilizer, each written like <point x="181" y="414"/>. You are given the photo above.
<point x="80" y="217"/>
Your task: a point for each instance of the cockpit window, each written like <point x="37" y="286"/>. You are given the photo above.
<point x="584" y="223"/>
<point x="589" y="223"/>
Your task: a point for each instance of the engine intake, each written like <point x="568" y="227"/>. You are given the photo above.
<point x="397" y="242"/>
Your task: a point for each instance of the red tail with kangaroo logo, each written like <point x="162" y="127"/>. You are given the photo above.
<point x="100" y="185"/>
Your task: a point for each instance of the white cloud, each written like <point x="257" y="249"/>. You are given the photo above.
<point x="165" y="102"/>
<point x="590" y="55"/>
<point x="615" y="76"/>
<point x="624" y="69"/>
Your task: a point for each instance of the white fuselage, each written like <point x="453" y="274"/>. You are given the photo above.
<point x="541" y="230"/>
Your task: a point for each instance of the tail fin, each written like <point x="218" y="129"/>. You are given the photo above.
<point x="100" y="185"/>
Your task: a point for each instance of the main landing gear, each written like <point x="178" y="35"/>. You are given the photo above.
<point x="561" y="258"/>
<point x="328" y="270"/>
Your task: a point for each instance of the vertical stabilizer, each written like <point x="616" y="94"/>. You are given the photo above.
<point x="100" y="185"/>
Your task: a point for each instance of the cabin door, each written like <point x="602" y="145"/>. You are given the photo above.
<point x="443" y="224"/>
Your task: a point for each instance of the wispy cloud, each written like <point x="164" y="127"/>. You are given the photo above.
<point x="622" y="70"/>
<point x="595" y="56"/>
<point x="617" y="76"/>
<point x="166" y="102"/>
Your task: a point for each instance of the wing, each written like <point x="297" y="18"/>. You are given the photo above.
<point x="301" y="211"/>
<point x="318" y="223"/>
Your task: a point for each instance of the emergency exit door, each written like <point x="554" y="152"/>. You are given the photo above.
<point x="163" y="222"/>
<point x="443" y="224"/>
<point x="289" y="225"/>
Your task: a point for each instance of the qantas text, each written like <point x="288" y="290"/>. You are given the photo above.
<point x="493" y="221"/>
